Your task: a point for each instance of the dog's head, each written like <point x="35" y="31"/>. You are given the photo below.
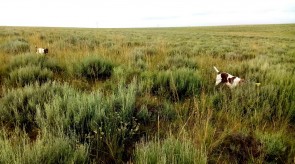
<point x="46" y="51"/>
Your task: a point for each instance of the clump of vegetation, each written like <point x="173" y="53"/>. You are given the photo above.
<point x="59" y="109"/>
<point x="236" y="148"/>
<point x="18" y="107"/>
<point x="149" y="109"/>
<point x="151" y="50"/>
<point x="16" y="46"/>
<point x="180" y="50"/>
<point x="53" y="65"/>
<point x="170" y="150"/>
<point x="93" y="68"/>
<point x="277" y="148"/>
<point x="177" y="84"/>
<point x="238" y="56"/>
<point x="79" y="41"/>
<point x="30" y="68"/>
<point x="31" y="59"/>
<point x="178" y="61"/>
<point x="138" y="56"/>
<point x="28" y="75"/>
<point x="47" y="148"/>
<point x="106" y="123"/>
<point x="25" y="60"/>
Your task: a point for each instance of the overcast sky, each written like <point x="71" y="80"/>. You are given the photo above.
<point x="144" y="13"/>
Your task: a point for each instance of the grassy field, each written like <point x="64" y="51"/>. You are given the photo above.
<point x="147" y="95"/>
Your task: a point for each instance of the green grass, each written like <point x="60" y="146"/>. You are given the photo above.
<point x="94" y="68"/>
<point x="46" y="149"/>
<point x="176" y="84"/>
<point x="28" y="75"/>
<point x="169" y="150"/>
<point x="16" y="46"/>
<point x="147" y="95"/>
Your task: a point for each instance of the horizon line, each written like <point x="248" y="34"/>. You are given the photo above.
<point x="189" y="26"/>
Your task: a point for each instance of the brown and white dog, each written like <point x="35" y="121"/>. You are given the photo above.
<point x="41" y="50"/>
<point x="227" y="79"/>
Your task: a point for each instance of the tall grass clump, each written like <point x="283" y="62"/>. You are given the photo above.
<point x="45" y="149"/>
<point x="55" y="109"/>
<point x="238" y="56"/>
<point x="180" y="50"/>
<point x="177" y="84"/>
<point x="178" y="61"/>
<point x="236" y="148"/>
<point x="18" y="107"/>
<point x="78" y="42"/>
<point x="72" y="112"/>
<point x="170" y="150"/>
<point x="28" y="75"/>
<point x="117" y="132"/>
<point x="150" y="109"/>
<point x="53" y="65"/>
<point x="123" y="98"/>
<point x="264" y="102"/>
<point x="32" y="59"/>
<point x="277" y="149"/>
<point x="52" y="106"/>
<point x="16" y="46"/>
<point x="93" y="68"/>
<point x="106" y="123"/>
<point x="25" y="60"/>
<point x="150" y="50"/>
<point x="139" y="57"/>
<point x="55" y="150"/>
<point x="281" y="101"/>
<point x="30" y="68"/>
<point x="122" y="73"/>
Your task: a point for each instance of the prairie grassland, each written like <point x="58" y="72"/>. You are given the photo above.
<point x="147" y="95"/>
